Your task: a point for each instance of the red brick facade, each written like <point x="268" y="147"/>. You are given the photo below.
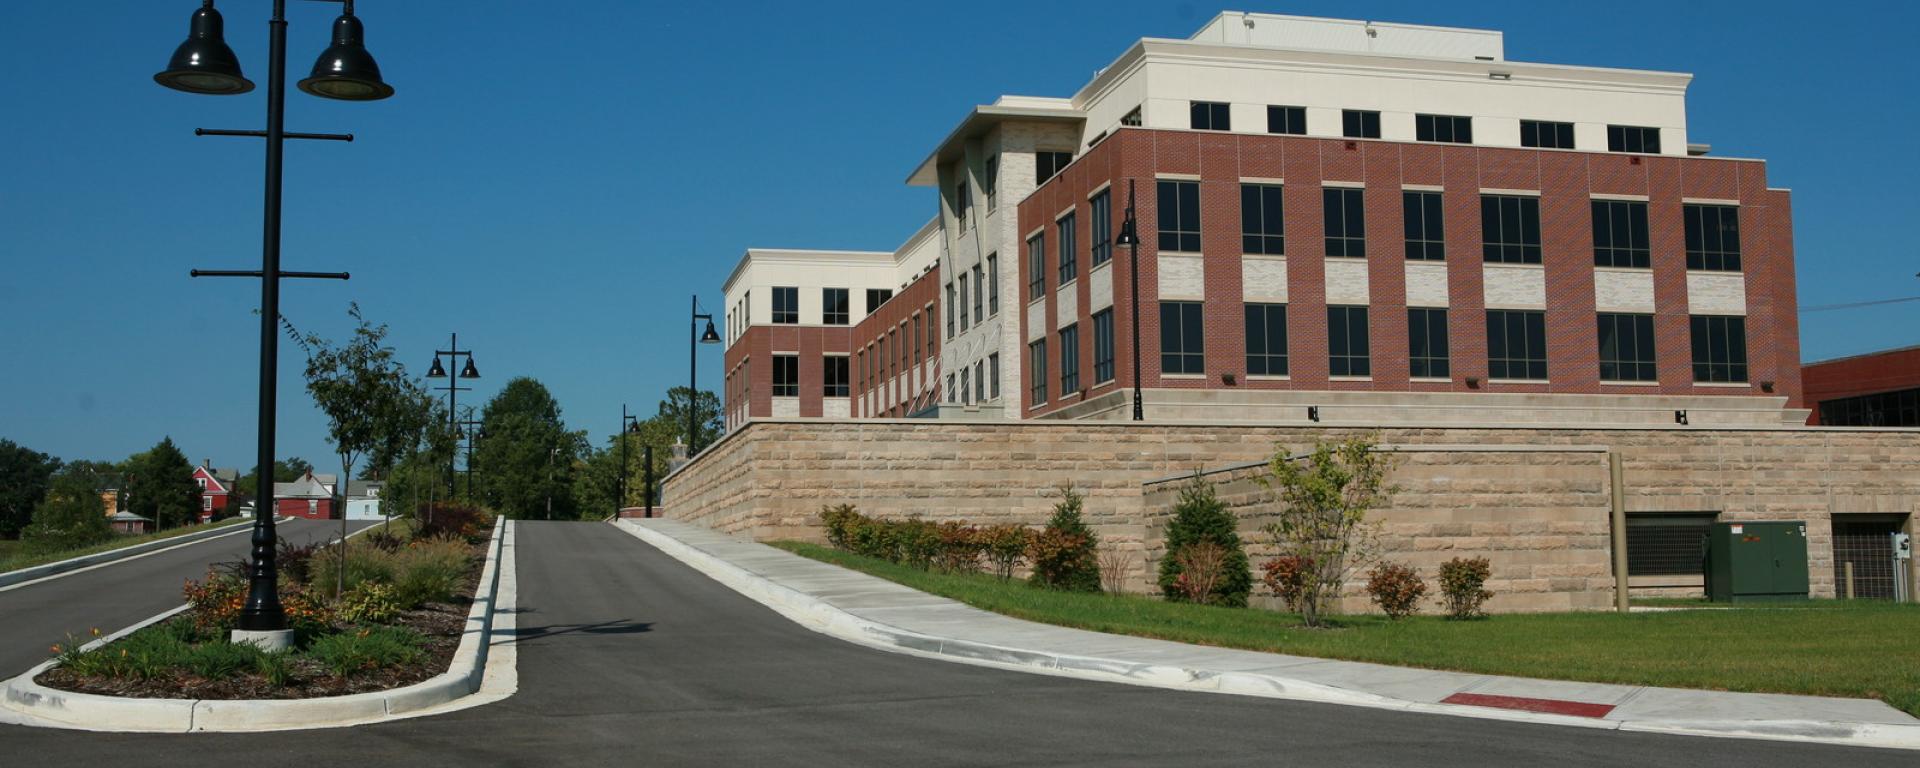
<point x="1888" y="371"/>
<point x="749" y="366"/>
<point x="903" y="381"/>
<point x="1564" y="181"/>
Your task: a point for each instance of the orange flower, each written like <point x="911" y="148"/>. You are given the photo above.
<point x="56" y="648"/>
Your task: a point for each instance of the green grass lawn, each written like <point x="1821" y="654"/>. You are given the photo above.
<point x="15" y="555"/>
<point x="1824" y="648"/>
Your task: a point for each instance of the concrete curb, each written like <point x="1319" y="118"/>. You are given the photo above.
<point x="40" y="706"/>
<point x="826" y="618"/>
<point x="38" y="572"/>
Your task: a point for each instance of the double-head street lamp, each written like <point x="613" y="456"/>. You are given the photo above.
<point x="630" y="425"/>
<point x="1130" y="237"/>
<point x="205" y="65"/>
<point x="693" y="367"/>
<point x="453" y="353"/>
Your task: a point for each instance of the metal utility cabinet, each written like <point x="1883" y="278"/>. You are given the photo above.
<point x="1757" y="561"/>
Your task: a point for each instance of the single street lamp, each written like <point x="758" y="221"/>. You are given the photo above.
<point x="629" y="425"/>
<point x="204" y="64"/>
<point x="453" y="353"/>
<point x="693" y="367"/>
<point x="1130" y="237"/>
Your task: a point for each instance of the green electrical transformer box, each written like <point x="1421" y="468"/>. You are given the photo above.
<point x="1757" y="561"/>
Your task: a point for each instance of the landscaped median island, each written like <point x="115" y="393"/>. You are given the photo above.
<point x="392" y="616"/>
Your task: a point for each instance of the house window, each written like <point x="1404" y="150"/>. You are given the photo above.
<point x="963" y="302"/>
<point x="1427" y="343"/>
<point x="949" y="310"/>
<point x="1426" y="235"/>
<point x="1359" y="124"/>
<point x="877" y="297"/>
<point x="1626" y="348"/>
<point x="979" y="294"/>
<point x="1660" y="544"/>
<point x="993" y="366"/>
<point x="1620" y="234"/>
<point x="1346" y="222"/>
<point x="1516" y="344"/>
<point x="1069" y="360"/>
<point x="1713" y="237"/>
<point x="993" y="284"/>
<point x="1103" y="347"/>
<point x="1884" y="409"/>
<point x="1546" y="134"/>
<point x="1266" y="339"/>
<point x="1179" y="216"/>
<point x="786" y="375"/>
<point x="1633" y="138"/>
<point x="961" y="202"/>
<point x="1262" y="227"/>
<point x="206" y="502"/>
<point x="1347" y="348"/>
<point x="1291" y="120"/>
<point x="1037" y="354"/>
<point x="1510" y="229"/>
<point x="1046" y="164"/>
<point x="1182" y="348"/>
<point x="990" y="183"/>
<point x="1036" y="267"/>
<point x="833" y="306"/>
<point x="786" y="305"/>
<point x="833" y="375"/>
<point x="980" y="381"/>
<point x="1451" y="129"/>
<point x="1102" y="228"/>
<point x="1069" y="258"/>
<point x="1211" y="116"/>
<point x="201" y="481"/>
<point x="1719" y="348"/>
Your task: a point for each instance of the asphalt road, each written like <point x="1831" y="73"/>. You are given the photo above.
<point x="629" y="658"/>
<point x="35" y="616"/>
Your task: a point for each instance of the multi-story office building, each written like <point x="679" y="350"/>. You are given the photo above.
<point x="1338" y="220"/>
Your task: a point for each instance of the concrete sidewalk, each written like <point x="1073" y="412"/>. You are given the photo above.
<point x="879" y="613"/>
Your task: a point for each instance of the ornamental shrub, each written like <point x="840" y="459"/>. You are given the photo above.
<point x="917" y="542"/>
<point x="960" y="547"/>
<point x="841" y="522"/>
<point x="441" y="519"/>
<point x="1065" y="554"/>
<point x="1463" y="587"/>
<point x="368" y="649"/>
<point x="1287" y="576"/>
<point x="1396" y="588"/>
<point x="1005" y="546"/>
<point x="1202" y="564"/>
<point x="369" y="602"/>
<point x="1198" y="516"/>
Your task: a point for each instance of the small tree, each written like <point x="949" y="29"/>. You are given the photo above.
<point x="160" y="486"/>
<point x="1065" y="554"/>
<point x="72" y="515"/>
<point x="1198" y="516"/>
<point x="1202" y="566"/>
<point x="1006" y="545"/>
<point x="1463" y="587"/>
<point x="1322" y="515"/>
<point x="25" y="476"/>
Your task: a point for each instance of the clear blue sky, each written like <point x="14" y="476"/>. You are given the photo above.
<point x="553" y="180"/>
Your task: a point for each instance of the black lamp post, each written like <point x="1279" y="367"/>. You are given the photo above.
<point x="453" y="353"/>
<point x="629" y="425"/>
<point x="205" y="65"/>
<point x="693" y="367"/>
<point x="470" y="429"/>
<point x="1130" y="237"/>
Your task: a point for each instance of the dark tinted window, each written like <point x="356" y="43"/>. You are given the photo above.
<point x="1069" y="360"/>
<point x="1266" y="339"/>
<point x="1620" y="234"/>
<point x="1427" y="344"/>
<point x="1069" y="256"/>
<point x="1291" y="120"/>
<point x="1626" y="348"/>
<point x="1037" y="370"/>
<point x="1046" y="164"/>
<point x="1426" y="238"/>
<point x="833" y="376"/>
<point x="1101" y="228"/>
<point x="1210" y="116"/>
<point x="786" y="305"/>
<point x="1262" y="229"/>
<point x="1359" y="124"/>
<point x="1347" y="347"/>
<point x="786" y="376"/>
<point x="833" y="306"/>
<point x="1719" y="348"/>
<point x="1884" y="409"/>
<point x="1181" y="343"/>
<point x="1179" y="215"/>
<point x="1036" y="267"/>
<point x="1713" y="237"/>
<point x="1516" y="344"/>
<point x="1346" y="222"/>
<point x="877" y="297"/>
<point x="1453" y="129"/>
<point x="1633" y="138"/>
<point x="1546" y="135"/>
<point x="1510" y="229"/>
<point x="1103" y="346"/>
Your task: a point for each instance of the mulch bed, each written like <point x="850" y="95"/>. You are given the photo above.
<point x="441" y="623"/>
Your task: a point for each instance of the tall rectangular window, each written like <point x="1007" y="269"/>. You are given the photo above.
<point x="1210" y="116"/>
<point x="1262" y="225"/>
<point x="786" y="375"/>
<point x="932" y="338"/>
<point x="1626" y="348"/>
<point x="877" y="297"/>
<point x="1620" y="234"/>
<point x="1289" y="120"/>
<point x="1546" y="134"/>
<point x="979" y="294"/>
<point x="1266" y="339"/>
<point x="1101" y="228"/>
<point x="952" y="393"/>
<point x="1359" y="124"/>
<point x="1427" y="343"/>
<point x="1713" y="237"/>
<point x="1069" y="257"/>
<point x="1426" y="235"/>
<point x="1037" y="370"/>
<point x="1346" y="222"/>
<point x="833" y="376"/>
<point x="1182" y="346"/>
<point x="993" y="368"/>
<point x="1069" y="360"/>
<point x="1633" y="138"/>
<point x="917" y="330"/>
<point x="1719" y="348"/>
<point x="993" y="284"/>
<point x="904" y="346"/>
<point x="990" y="183"/>
<point x="1516" y="344"/>
<point x="1036" y="267"/>
<point x="962" y="201"/>
<point x="1348" y="352"/>
<point x="1046" y="164"/>
<point x="949" y="310"/>
<point x="786" y="305"/>
<point x="966" y="385"/>
<point x="833" y="306"/>
<point x="1510" y="229"/>
<point x="979" y="381"/>
<point x="1179" y="216"/>
<point x="1452" y="129"/>
<point x="1103" y="346"/>
<point x="963" y="302"/>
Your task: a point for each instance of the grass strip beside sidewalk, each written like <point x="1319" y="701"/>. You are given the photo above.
<point x="15" y="555"/>
<point x="1861" y="649"/>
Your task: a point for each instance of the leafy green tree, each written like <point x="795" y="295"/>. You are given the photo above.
<point x="673" y="412"/>
<point x="285" y="470"/>
<point x="71" y="515"/>
<point x="1322" y="517"/>
<point x="1198" y="516"/>
<point x="25" y="475"/>
<point x="160" y="486"/>
<point x="527" y="457"/>
<point x="1065" y="554"/>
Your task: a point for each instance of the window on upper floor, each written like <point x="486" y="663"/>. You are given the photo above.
<point x="1103" y="346"/>
<point x="1179" y="203"/>
<point x="990" y="183"/>
<point x="1069" y="360"/>
<point x="1719" y="348"/>
<point x="1101" y="227"/>
<point x="918" y="334"/>
<point x="1182" y="338"/>
<point x="1069" y="256"/>
<point x="1132" y="118"/>
<point x="1713" y="237"/>
<point x="1037" y="369"/>
<point x="962" y="201"/>
<point x="932" y="338"/>
<point x="833" y="376"/>
<point x="1036" y="267"/>
<point x="979" y="294"/>
<point x="1620" y="234"/>
<point x="1291" y="120"/>
<point x="1427" y="343"/>
<point x="1047" y="164"/>
<point x="786" y="305"/>
<point x="993" y="385"/>
<point x="966" y="385"/>
<point x="1345" y="220"/>
<point x="1546" y="134"/>
<point x="1452" y="129"/>
<point x="1633" y="138"/>
<point x="1359" y="124"/>
<point x="833" y="306"/>
<point x="877" y="297"/>
<point x="950" y="310"/>
<point x="1348" y="350"/>
<point x="993" y="284"/>
<point x="1425" y="226"/>
<point x="1516" y="344"/>
<point x="1211" y="116"/>
<point x="1626" y="347"/>
<point x="963" y="303"/>
<point x="1510" y="229"/>
<point x="1266" y="333"/>
<point x="1262" y="227"/>
<point x="786" y="375"/>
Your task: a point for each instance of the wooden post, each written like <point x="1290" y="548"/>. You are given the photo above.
<point x="1620" y="601"/>
<point x="1849" y="569"/>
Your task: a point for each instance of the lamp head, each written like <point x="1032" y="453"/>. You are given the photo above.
<point x="710" y="337"/>
<point x="345" y="70"/>
<point x="436" y="372"/>
<point x="1127" y="234"/>
<point x="469" y="372"/>
<point x="204" y="63"/>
